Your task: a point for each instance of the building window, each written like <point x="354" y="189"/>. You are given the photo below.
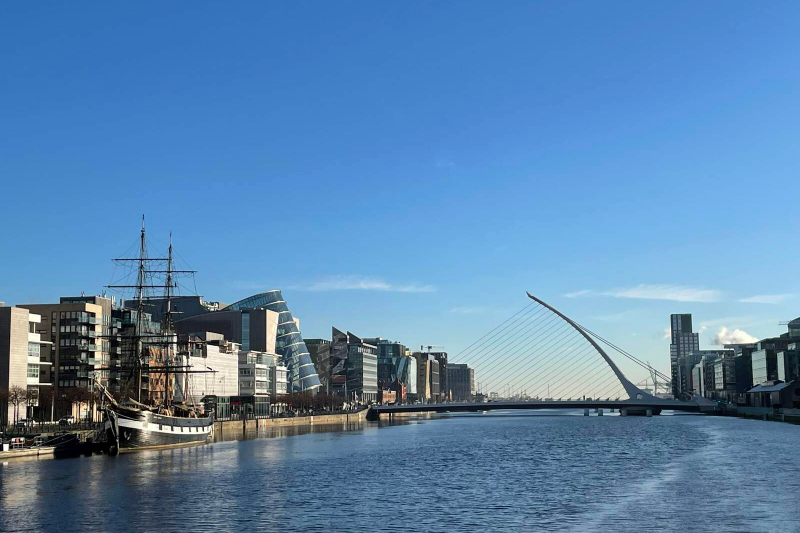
<point x="245" y="331"/>
<point x="33" y="371"/>
<point x="34" y="350"/>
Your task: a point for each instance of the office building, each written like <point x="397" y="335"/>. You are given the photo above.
<point x="254" y="381"/>
<point x="213" y="364"/>
<point x="461" y="380"/>
<point x="181" y="307"/>
<point x="423" y="377"/>
<point x="397" y="369"/>
<point x="23" y="367"/>
<point x="238" y="381"/>
<point x="320" y="351"/>
<point x="126" y="328"/>
<point x="442" y="393"/>
<point x="682" y="343"/>
<point x="725" y="378"/>
<point x="250" y="322"/>
<point x="362" y="370"/>
<point x="389" y="354"/>
<point x="76" y="331"/>
<point x="407" y="375"/>
<point x="788" y="363"/>
<point x="428" y="378"/>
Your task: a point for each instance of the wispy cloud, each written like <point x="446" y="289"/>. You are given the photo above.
<point x="468" y="310"/>
<point x="768" y="298"/>
<point x="578" y="294"/>
<point x="666" y="334"/>
<point x="363" y="283"/>
<point x="735" y="336"/>
<point x="675" y="293"/>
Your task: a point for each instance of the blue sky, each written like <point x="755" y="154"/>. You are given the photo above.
<point x="409" y="169"/>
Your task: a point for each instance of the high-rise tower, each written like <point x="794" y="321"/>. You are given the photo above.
<point x="682" y="342"/>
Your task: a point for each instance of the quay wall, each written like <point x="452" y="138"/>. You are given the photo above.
<point x="791" y="416"/>
<point x="230" y="427"/>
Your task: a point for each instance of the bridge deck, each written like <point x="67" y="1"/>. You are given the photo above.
<point x="634" y="405"/>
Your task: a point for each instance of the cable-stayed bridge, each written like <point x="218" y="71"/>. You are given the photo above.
<point x="541" y="359"/>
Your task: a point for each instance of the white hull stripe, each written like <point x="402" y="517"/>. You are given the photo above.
<point x="172" y="430"/>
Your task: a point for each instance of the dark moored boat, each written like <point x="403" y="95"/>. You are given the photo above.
<point x="133" y="427"/>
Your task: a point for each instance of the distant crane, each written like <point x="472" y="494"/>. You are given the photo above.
<point x="656" y="383"/>
<point x="429" y="347"/>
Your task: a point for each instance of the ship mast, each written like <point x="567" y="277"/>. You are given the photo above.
<point x="140" y="280"/>
<point x="168" y="320"/>
<point x="148" y="278"/>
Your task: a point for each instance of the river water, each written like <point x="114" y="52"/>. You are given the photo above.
<point x="536" y="471"/>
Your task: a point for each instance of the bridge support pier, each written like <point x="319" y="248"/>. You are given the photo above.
<point x="599" y="412"/>
<point x="623" y="412"/>
<point x="649" y="413"/>
<point x="586" y="412"/>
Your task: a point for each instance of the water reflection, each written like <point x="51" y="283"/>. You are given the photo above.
<point x="528" y="472"/>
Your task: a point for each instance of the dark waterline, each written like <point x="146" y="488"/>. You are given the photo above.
<point x="496" y="472"/>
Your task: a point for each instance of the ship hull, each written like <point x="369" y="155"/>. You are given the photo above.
<point x="144" y="429"/>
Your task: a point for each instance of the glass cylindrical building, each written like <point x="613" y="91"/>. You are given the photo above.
<point x="289" y="343"/>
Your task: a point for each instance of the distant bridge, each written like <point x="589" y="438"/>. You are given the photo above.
<point x="540" y="348"/>
<point x="625" y="407"/>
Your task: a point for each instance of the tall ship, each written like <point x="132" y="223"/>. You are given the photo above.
<point x="142" y="412"/>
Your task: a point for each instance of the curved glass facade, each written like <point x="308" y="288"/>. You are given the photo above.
<point x="289" y="343"/>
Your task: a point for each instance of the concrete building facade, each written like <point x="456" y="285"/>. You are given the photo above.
<point x="22" y="367"/>
<point x="461" y="380"/>
<point x="76" y="330"/>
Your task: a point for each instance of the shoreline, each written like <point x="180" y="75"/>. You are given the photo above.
<point x="223" y="430"/>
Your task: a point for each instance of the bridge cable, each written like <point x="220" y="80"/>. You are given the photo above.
<point x="540" y="382"/>
<point x="554" y="381"/>
<point x="502" y="347"/>
<point x="594" y="375"/>
<point x="540" y="342"/>
<point x="467" y="349"/>
<point x="521" y="325"/>
<point x="560" y="331"/>
<point x="533" y="329"/>
<point x="547" y="364"/>
<point x="626" y="354"/>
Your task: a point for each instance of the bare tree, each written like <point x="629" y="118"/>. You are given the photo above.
<point x="78" y="396"/>
<point x="4" y="395"/>
<point x="16" y="396"/>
